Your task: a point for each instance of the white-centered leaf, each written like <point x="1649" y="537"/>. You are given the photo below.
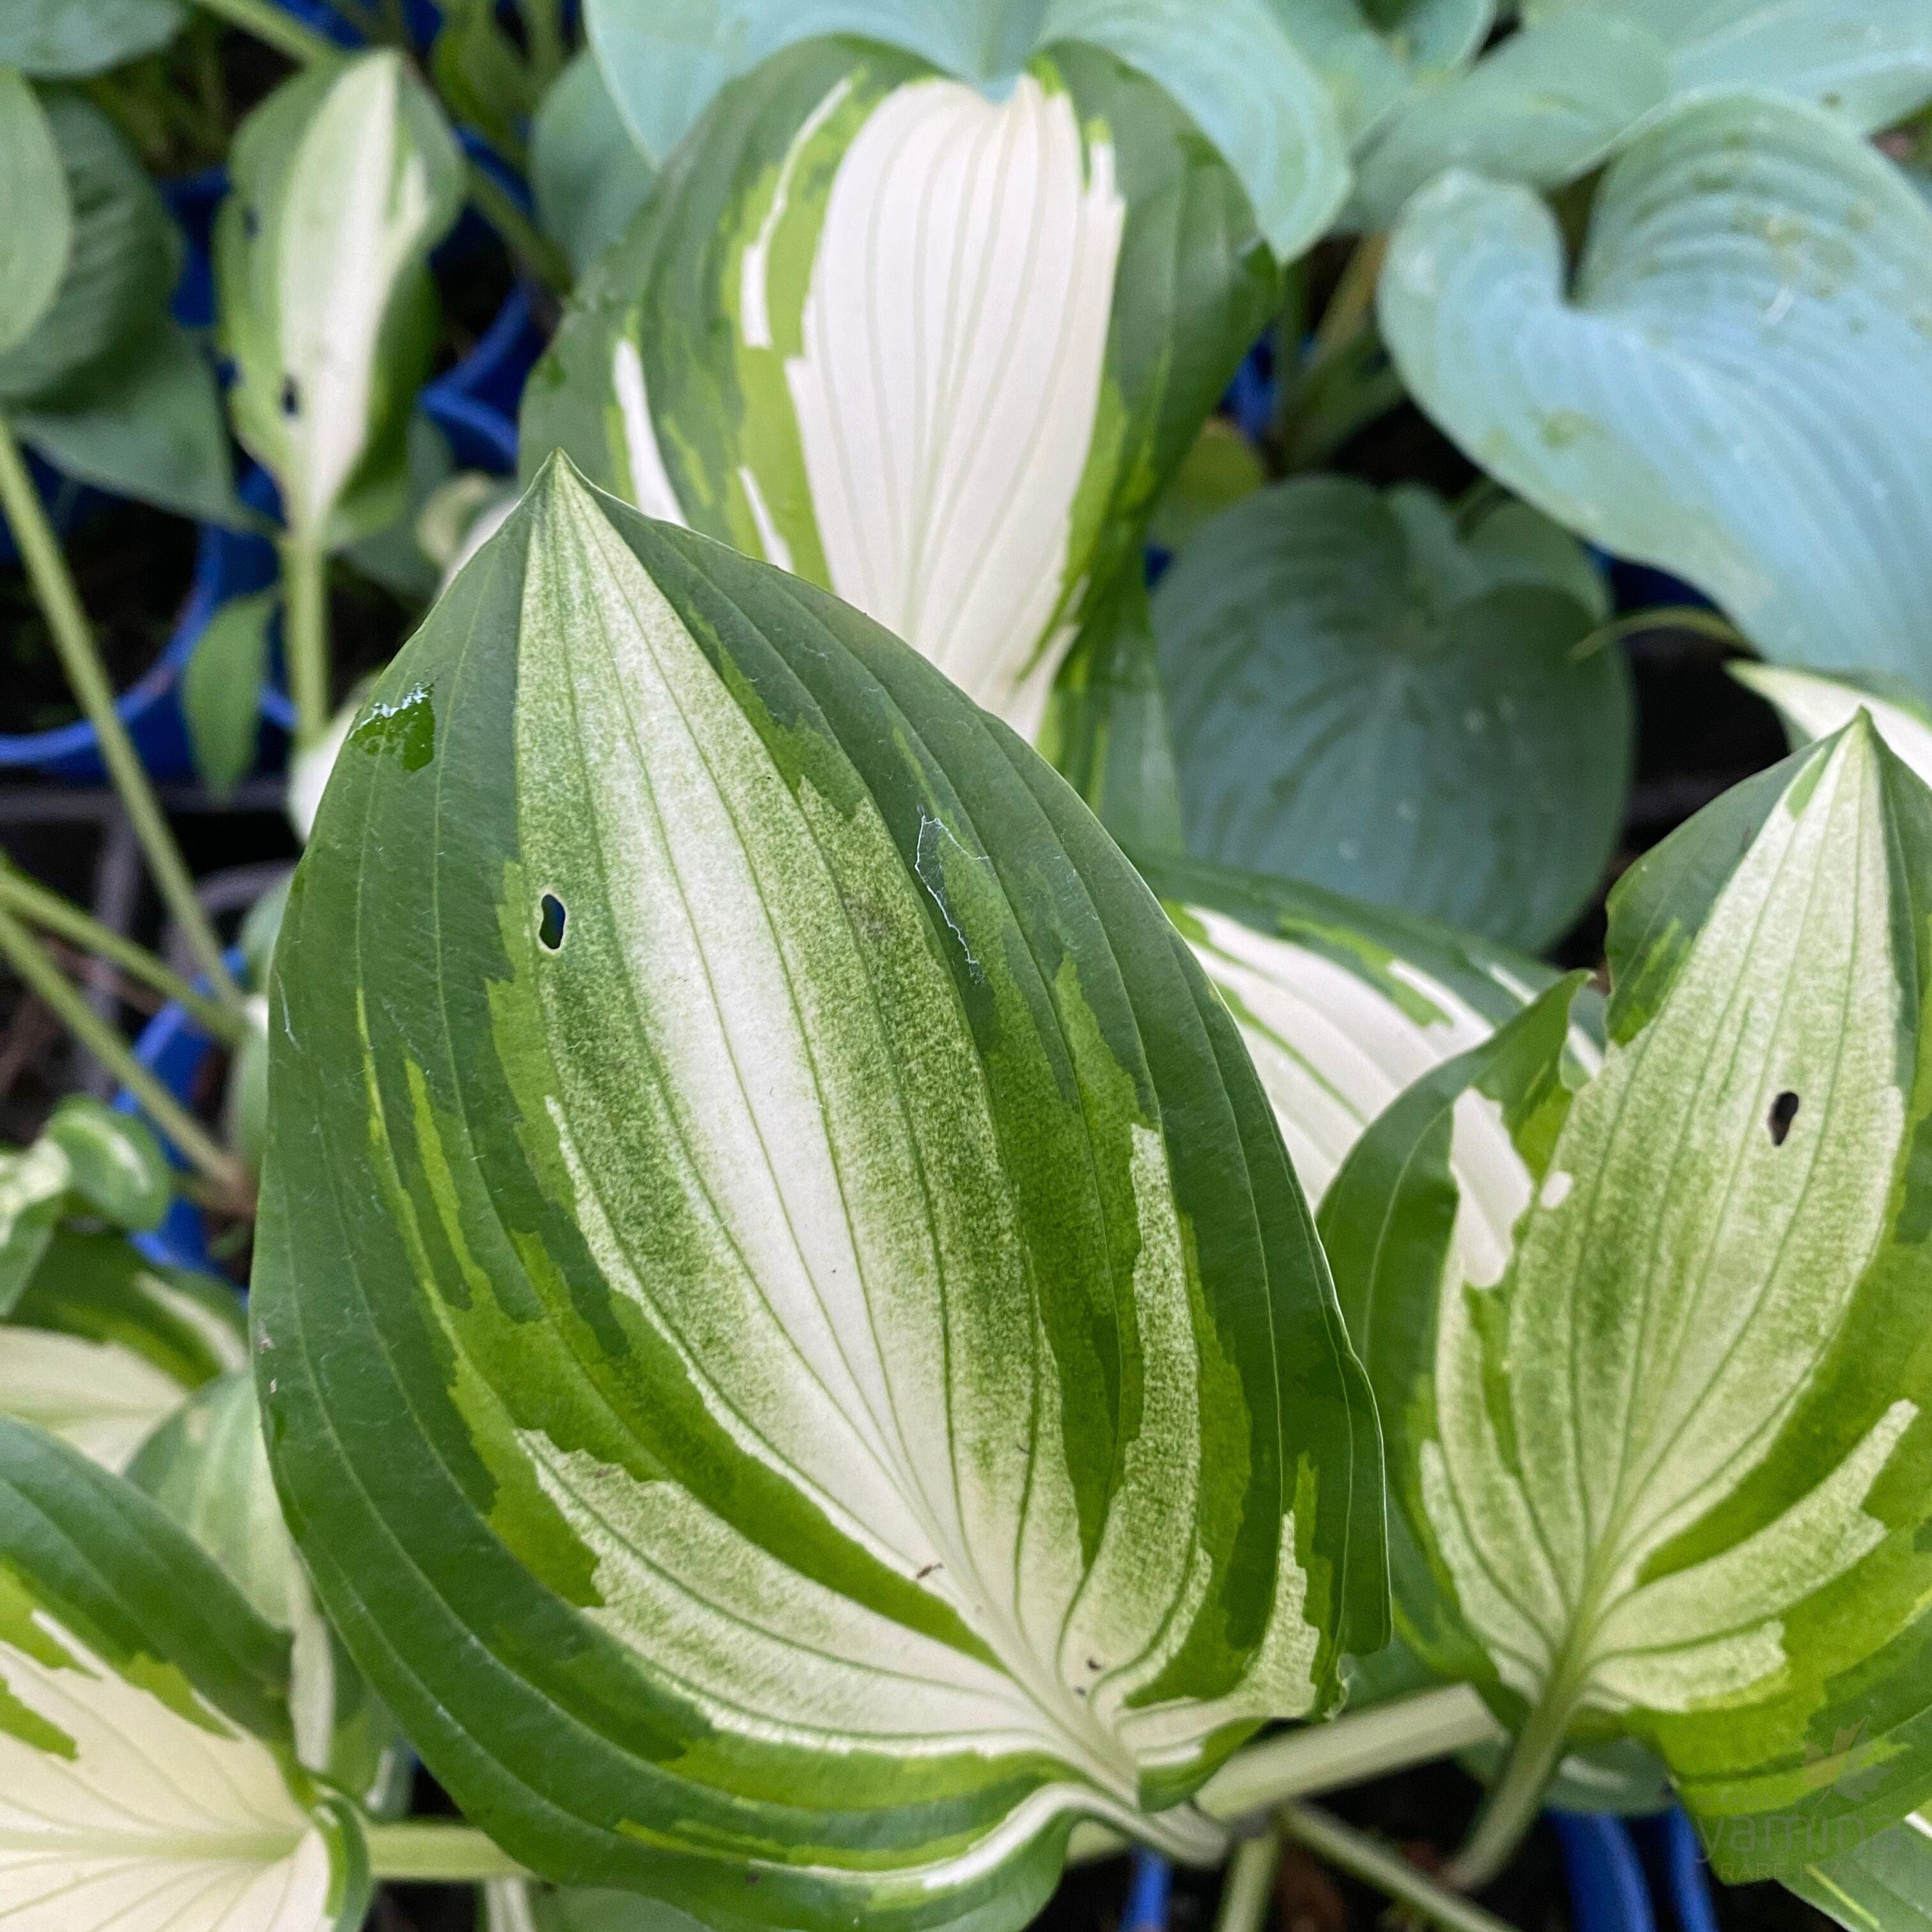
<point x="923" y="346"/>
<point x="827" y="1182"/>
<point x="345" y="179"/>
<point x="1234" y="67"/>
<point x="1343" y="1005"/>
<point x="142" y="1733"/>
<point x="1736" y="384"/>
<point x="1656" y="1428"/>
<point x="1364" y="694"/>
<point x="36" y="222"/>
<point x="1813" y="707"/>
<point x="102" y="1349"/>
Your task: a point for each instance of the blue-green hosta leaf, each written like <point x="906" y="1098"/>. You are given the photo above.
<point x="145" y="1784"/>
<point x="1343" y="1005"/>
<point x="103" y="1347"/>
<point x="1550" y="102"/>
<point x="36" y="222"/>
<point x="587" y="174"/>
<point x="1370" y="65"/>
<point x="1361" y="698"/>
<point x="345" y="178"/>
<point x="1656" y="1427"/>
<point x="1545" y="106"/>
<point x="1233" y="66"/>
<point x="788" y="1338"/>
<point x="207" y="1467"/>
<point x="1813" y="707"/>
<point x="1738" y="385"/>
<point x="121" y="263"/>
<point x="1876" y="1884"/>
<point x="64" y="40"/>
<point x="1868" y="60"/>
<point x="148" y="424"/>
<point x="962" y="430"/>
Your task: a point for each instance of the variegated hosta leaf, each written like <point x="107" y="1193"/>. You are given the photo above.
<point x="935" y="352"/>
<point x="1234" y="66"/>
<point x="1875" y="1884"/>
<point x="788" y="1338"/>
<point x="1370" y="694"/>
<point x="89" y="1161"/>
<point x="207" y="1467"/>
<point x="1736" y="384"/>
<point x="1656" y="1426"/>
<point x="345" y="178"/>
<point x="1342" y="1005"/>
<point x="145" y="1783"/>
<point x="102" y="1349"/>
<point x="1813" y="707"/>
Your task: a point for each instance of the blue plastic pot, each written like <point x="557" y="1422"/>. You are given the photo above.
<point x="174" y="1048"/>
<point x="1634" y="1874"/>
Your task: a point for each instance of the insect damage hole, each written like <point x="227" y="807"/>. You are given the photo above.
<point x="1783" y="1112"/>
<point x="549" y="921"/>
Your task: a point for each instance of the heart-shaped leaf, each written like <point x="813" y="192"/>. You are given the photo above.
<point x="780" y="1294"/>
<point x="1365" y="696"/>
<point x="1232" y="67"/>
<point x="103" y="1347"/>
<point x="143" y="1726"/>
<point x="64" y="40"/>
<point x="207" y="1467"/>
<point x="1737" y="385"/>
<point x="1656" y="1429"/>
<point x="961" y="433"/>
<point x="120" y="265"/>
<point x="36" y="222"/>
<point x="345" y="178"/>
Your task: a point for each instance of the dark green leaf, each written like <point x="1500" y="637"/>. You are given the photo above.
<point x="221" y="689"/>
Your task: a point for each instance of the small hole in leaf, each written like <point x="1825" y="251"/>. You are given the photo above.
<point x="1783" y="1112"/>
<point x="291" y="396"/>
<point x="251" y="222"/>
<point x="550" y="922"/>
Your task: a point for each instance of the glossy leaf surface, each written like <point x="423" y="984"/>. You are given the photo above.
<point x="1654" y="1427"/>
<point x="961" y="432"/>
<point x="1364" y="695"/>
<point x="1736" y="384"/>
<point x="787" y="1336"/>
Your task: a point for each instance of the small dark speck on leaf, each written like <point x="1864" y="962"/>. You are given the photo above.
<point x="291" y="396"/>
<point x="1093" y="1663"/>
<point x="1783" y="1112"/>
<point x="549" y="922"/>
<point x="927" y="1572"/>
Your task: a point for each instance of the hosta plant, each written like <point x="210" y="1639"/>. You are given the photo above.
<point x="934" y="349"/>
<point x="1654" y="1429"/>
<point x="789" y="1339"/>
